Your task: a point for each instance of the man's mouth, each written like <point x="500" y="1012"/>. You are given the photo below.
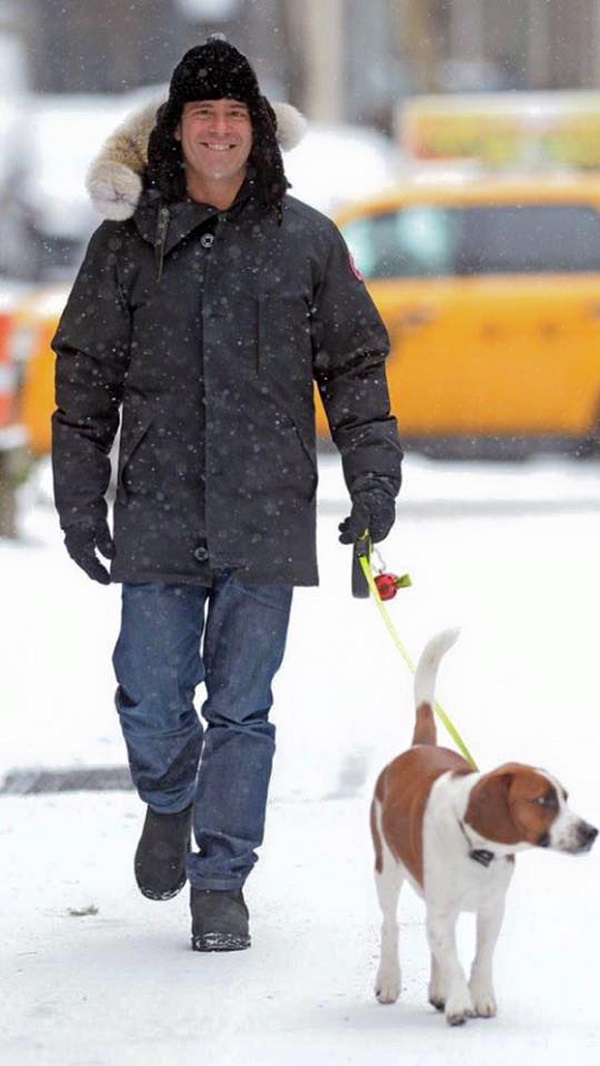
<point x="218" y="147"/>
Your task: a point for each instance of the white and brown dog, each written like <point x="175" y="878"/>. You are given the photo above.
<point x="452" y="833"/>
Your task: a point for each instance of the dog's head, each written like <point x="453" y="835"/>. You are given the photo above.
<point x="520" y="805"/>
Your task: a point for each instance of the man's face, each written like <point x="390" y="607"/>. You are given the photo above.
<point x="216" y="139"/>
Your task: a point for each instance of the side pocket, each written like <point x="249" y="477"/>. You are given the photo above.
<point x="310" y="455"/>
<point x="131" y="438"/>
<point x="307" y="459"/>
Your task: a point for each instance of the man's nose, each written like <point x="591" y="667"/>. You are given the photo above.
<point x="219" y="124"/>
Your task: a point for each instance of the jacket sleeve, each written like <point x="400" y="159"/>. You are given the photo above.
<point x="92" y="349"/>
<point x="351" y="346"/>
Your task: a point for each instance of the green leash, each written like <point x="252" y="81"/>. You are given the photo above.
<point x="365" y="563"/>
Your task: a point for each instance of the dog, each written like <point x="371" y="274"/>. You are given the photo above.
<point x="452" y="832"/>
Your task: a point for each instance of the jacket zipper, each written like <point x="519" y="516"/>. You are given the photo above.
<point x="160" y="241"/>
<point x="259" y="330"/>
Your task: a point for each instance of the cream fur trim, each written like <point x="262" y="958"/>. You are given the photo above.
<point x="291" y="125"/>
<point x="113" y="179"/>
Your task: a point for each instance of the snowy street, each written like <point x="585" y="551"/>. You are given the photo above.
<point x="95" y="975"/>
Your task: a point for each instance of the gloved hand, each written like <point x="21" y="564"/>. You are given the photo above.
<point x="373" y="510"/>
<point x="81" y="543"/>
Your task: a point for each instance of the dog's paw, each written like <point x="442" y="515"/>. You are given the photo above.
<point x="436" y="992"/>
<point x="458" y="1017"/>
<point x="437" y="1001"/>
<point x="459" y="1008"/>
<point x="387" y="985"/>
<point x="484" y="1006"/>
<point x="484" y="1001"/>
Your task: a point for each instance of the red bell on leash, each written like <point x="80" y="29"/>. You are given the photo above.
<point x="388" y="584"/>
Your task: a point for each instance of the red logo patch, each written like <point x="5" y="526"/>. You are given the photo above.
<point x="354" y="268"/>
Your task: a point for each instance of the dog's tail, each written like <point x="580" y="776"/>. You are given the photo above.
<point x="425" y="678"/>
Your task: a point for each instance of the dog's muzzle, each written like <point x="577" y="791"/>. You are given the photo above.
<point x="587" y="834"/>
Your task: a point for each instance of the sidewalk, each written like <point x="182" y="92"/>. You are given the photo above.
<point x="94" y="975"/>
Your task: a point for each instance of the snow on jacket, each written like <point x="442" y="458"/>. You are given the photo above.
<point x="206" y="329"/>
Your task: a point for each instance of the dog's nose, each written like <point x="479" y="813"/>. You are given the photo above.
<point x="588" y="834"/>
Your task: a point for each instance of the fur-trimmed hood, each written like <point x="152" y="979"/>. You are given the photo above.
<point x="114" y="179"/>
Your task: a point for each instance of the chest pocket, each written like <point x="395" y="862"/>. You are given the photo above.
<point x="284" y="341"/>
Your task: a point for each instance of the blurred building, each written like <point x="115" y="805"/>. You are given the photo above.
<point x="339" y="60"/>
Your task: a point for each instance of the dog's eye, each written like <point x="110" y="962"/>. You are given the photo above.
<point x="549" y="802"/>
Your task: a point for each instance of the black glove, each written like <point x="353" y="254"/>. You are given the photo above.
<point x="81" y="543"/>
<point x="373" y="510"/>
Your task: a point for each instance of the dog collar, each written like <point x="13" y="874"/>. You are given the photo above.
<point x="481" y="855"/>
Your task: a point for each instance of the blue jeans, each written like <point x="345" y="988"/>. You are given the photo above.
<point x="166" y="647"/>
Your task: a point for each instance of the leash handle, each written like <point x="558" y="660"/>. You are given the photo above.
<point x="359" y="582"/>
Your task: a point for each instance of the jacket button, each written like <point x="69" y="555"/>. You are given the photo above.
<point x="207" y="240"/>
<point x="200" y="554"/>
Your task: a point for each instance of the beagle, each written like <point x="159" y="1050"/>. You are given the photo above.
<point x="452" y="833"/>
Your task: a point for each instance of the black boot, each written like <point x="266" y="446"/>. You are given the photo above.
<point x="219" y="920"/>
<point x="162" y="852"/>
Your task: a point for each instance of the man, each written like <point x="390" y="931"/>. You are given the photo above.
<point x="203" y="320"/>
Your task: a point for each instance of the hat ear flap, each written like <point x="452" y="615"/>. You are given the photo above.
<point x="266" y="156"/>
<point x="270" y="110"/>
<point x="165" y="168"/>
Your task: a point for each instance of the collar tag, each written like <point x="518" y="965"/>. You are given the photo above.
<point x="482" y="856"/>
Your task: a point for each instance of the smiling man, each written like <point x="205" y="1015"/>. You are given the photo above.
<point x="200" y="321"/>
<point x="216" y="139"/>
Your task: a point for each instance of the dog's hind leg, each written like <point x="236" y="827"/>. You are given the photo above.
<point x="389" y="876"/>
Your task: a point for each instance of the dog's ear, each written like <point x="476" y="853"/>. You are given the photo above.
<point x="489" y="811"/>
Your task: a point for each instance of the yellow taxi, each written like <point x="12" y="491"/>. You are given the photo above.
<point x="33" y="325"/>
<point x="490" y="289"/>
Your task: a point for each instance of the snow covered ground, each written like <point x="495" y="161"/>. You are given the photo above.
<point x="510" y="553"/>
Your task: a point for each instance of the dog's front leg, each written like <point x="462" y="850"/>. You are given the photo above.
<point x="449" y="984"/>
<point x="437" y="992"/>
<point x="489" y="923"/>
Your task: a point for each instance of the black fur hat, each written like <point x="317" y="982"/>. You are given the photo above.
<point x="215" y="71"/>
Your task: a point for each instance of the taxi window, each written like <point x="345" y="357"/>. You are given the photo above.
<point x="432" y="241"/>
<point x="415" y="242"/>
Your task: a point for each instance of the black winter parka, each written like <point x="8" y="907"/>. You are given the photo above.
<point x="204" y="331"/>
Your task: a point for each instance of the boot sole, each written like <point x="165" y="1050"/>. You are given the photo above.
<point x="170" y="893"/>
<point x="167" y="893"/>
<point x="220" y="942"/>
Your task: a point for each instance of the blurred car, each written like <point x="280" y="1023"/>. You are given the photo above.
<point x="12" y="371"/>
<point x="33" y="324"/>
<point x="338" y="164"/>
<point x="490" y="290"/>
<point x="65" y="133"/>
<point x="13" y="434"/>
